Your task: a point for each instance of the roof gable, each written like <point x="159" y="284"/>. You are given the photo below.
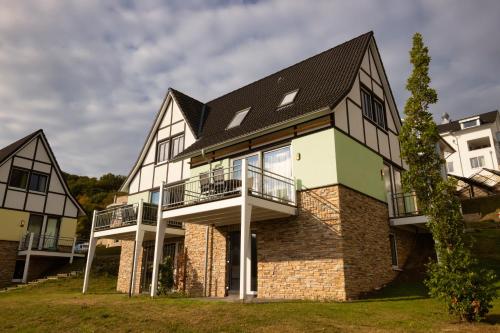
<point x="28" y="140"/>
<point x="192" y="112"/>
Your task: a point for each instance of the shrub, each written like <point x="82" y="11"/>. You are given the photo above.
<point x="166" y="276"/>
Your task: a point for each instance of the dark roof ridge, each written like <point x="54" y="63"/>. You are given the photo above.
<point x="292" y="65"/>
<point x="475" y="115"/>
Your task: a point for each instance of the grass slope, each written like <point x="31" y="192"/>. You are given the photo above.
<point x="58" y="306"/>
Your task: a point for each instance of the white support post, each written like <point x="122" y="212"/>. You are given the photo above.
<point x="90" y="254"/>
<point x="28" y="256"/>
<point x="160" y="237"/>
<point x="72" y="251"/>
<point x="139" y="237"/>
<point x="245" y="253"/>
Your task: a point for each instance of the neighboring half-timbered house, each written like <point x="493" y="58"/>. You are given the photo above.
<point x="38" y="214"/>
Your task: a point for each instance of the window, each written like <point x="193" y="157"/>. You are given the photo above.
<point x="366" y="101"/>
<point x="477" y="162"/>
<point x="289" y="98"/>
<point x="470" y="123"/>
<point x="238" y="118"/>
<point x="373" y="108"/>
<point x="170" y="148"/>
<point x="38" y="182"/>
<point x="278" y="161"/>
<point x="154" y="197"/>
<point x="449" y="167"/>
<point x="394" y="250"/>
<point x="177" y="146"/>
<point x="251" y="160"/>
<point x="163" y="151"/>
<point x="378" y="110"/>
<point x="19" y="178"/>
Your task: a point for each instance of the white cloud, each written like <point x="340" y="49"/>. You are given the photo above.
<point x="93" y="74"/>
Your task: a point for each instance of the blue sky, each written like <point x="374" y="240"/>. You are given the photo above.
<point x="93" y="74"/>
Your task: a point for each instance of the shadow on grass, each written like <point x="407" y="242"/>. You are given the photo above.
<point x="398" y="292"/>
<point x="492" y="319"/>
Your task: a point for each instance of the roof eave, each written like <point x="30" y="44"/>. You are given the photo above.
<point x="247" y="136"/>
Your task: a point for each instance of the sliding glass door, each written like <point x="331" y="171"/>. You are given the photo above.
<point x="277" y="164"/>
<point x="51" y="233"/>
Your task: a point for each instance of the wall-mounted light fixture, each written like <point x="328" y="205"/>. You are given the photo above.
<point x="297" y="156"/>
<point x="21" y="224"/>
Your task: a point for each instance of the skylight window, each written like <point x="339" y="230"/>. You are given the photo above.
<point x="288" y="98"/>
<point x="238" y="118"/>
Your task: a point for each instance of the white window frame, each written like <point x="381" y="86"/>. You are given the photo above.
<point x="463" y="121"/>
<point x="285" y="100"/>
<point x="477" y="158"/>
<point x="233" y="123"/>
<point x="448" y="169"/>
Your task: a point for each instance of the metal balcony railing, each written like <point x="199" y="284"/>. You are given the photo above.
<point x="405" y="205"/>
<point x="116" y="217"/>
<point x="46" y="242"/>
<point x="126" y="215"/>
<point x="223" y="183"/>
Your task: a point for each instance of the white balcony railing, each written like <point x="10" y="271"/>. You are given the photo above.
<point x="126" y="215"/>
<point x="223" y="183"/>
<point x="47" y="242"/>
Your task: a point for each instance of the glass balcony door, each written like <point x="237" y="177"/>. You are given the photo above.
<point x="279" y="163"/>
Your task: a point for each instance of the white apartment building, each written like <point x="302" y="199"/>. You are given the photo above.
<point x="476" y="140"/>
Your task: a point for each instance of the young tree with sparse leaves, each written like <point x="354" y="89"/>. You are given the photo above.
<point x="455" y="278"/>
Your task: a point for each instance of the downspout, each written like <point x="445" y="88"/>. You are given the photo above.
<point x="206" y="262"/>
<point x="459" y="155"/>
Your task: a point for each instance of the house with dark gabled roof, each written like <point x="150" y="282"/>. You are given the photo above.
<point x="288" y="187"/>
<point x="38" y="214"/>
<point x="476" y="141"/>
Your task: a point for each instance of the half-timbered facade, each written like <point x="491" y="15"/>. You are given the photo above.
<point x="38" y="214"/>
<point x="289" y="187"/>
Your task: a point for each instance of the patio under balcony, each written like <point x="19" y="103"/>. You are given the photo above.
<point x="237" y="195"/>
<point x="133" y="222"/>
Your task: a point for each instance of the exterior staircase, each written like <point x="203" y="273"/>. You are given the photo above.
<point x="45" y="279"/>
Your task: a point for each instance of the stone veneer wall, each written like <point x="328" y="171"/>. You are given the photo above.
<point x="367" y="252"/>
<point x="8" y="254"/>
<point x="125" y="269"/>
<point x="126" y="259"/>
<point x="336" y="248"/>
<point x="301" y="257"/>
<point x="195" y="253"/>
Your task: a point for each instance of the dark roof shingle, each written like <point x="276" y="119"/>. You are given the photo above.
<point x="192" y="108"/>
<point x="323" y="81"/>
<point x="453" y="126"/>
<point x="10" y="149"/>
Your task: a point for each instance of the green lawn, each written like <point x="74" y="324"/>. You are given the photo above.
<point x="59" y="306"/>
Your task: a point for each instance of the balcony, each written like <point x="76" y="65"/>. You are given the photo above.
<point x="48" y="245"/>
<point x="404" y="210"/>
<point x="216" y="198"/>
<point x="122" y="221"/>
